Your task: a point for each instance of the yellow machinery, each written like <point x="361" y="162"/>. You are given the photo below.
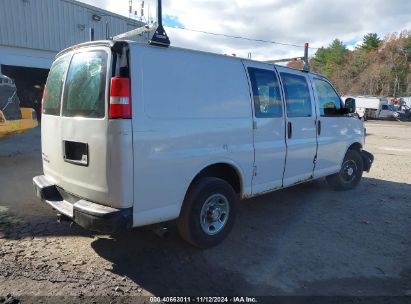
<point x="10" y="127"/>
<point x="13" y="119"/>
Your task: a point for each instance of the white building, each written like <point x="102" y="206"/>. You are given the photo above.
<point x="32" y="32"/>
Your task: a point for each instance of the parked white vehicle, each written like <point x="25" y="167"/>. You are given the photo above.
<point x="134" y="134"/>
<point x="370" y="107"/>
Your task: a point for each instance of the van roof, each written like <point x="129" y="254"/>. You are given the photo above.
<point x="119" y="43"/>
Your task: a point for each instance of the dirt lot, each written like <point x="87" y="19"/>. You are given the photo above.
<point x="306" y="240"/>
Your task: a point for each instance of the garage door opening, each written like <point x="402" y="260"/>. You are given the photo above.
<point x="29" y="83"/>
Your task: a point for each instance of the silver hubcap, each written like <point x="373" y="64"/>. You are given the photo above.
<point x="349" y="171"/>
<point x="214" y="214"/>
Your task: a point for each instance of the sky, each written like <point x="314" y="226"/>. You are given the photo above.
<point x="295" y="22"/>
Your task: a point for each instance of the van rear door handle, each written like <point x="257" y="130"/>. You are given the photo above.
<point x="319" y="127"/>
<point x="76" y="153"/>
<point x="289" y="129"/>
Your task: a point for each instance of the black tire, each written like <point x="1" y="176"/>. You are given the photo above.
<point x="350" y="173"/>
<point x="203" y="194"/>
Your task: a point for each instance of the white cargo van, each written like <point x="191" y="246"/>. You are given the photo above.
<point x="134" y="134"/>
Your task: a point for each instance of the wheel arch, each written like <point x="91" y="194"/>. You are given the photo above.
<point x="225" y="171"/>
<point x="355" y="146"/>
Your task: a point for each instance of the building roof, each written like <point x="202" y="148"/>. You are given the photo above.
<point x="52" y="25"/>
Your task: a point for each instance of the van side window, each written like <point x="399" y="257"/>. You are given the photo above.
<point x="297" y="95"/>
<point x="266" y="93"/>
<point x="328" y="100"/>
<point x="54" y="87"/>
<point x="84" y="95"/>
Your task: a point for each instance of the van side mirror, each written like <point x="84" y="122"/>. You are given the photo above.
<point x="350" y="105"/>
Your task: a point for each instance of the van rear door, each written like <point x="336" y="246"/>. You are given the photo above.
<point x="84" y="151"/>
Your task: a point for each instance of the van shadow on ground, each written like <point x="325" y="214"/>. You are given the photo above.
<point x="307" y="240"/>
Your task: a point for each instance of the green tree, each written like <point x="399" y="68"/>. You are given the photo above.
<point x="407" y="47"/>
<point x="326" y="60"/>
<point x="370" y="42"/>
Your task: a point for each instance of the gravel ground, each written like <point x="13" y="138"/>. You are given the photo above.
<point x="306" y="240"/>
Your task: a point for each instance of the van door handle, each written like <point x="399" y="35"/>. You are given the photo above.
<point x="319" y="127"/>
<point x="289" y="129"/>
<point x="76" y="153"/>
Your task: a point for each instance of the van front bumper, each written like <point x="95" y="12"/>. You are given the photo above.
<point x="367" y="159"/>
<point x="89" y="215"/>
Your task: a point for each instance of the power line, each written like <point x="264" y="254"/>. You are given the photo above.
<point x="239" y="37"/>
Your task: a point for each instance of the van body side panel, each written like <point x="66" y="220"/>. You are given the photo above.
<point x="337" y="139"/>
<point x="120" y="163"/>
<point x="190" y="110"/>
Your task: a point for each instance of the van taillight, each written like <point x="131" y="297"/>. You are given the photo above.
<point x="120" y="102"/>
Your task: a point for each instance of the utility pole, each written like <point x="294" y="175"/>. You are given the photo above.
<point x="142" y="11"/>
<point x="306" y="62"/>
<point x="130" y="8"/>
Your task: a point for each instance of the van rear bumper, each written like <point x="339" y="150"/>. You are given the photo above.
<point x="89" y="215"/>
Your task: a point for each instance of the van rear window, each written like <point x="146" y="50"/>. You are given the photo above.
<point x="84" y="93"/>
<point x="54" y="86"/>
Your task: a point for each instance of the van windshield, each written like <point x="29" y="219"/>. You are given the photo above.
<point x="85" y="88"/>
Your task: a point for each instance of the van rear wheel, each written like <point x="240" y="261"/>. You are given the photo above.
<point x="350" y="173"/>
<point x="208" y="212"/>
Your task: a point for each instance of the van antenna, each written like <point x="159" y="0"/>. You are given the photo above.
<point x="160" y="37"/>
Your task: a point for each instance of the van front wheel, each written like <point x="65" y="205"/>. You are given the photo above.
<point x="350" y="173"/>
<point x="208" y="212"/>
